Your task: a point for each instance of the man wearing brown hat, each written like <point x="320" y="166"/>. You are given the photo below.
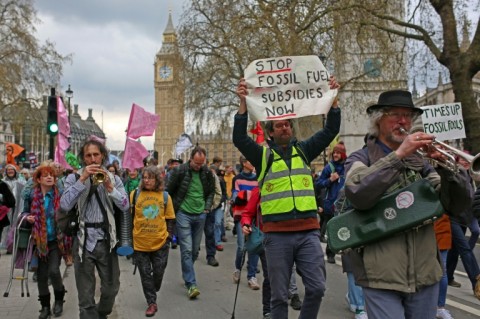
<point x="399" y="273"/>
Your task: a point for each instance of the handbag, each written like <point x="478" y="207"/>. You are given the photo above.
<point x="413" y="206"/>
<point x="254" y="243"/>
<point x="68" y="222"/>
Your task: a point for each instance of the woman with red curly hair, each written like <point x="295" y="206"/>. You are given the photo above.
<point x="43" y="203"/>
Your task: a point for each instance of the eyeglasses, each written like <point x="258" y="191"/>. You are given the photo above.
<point x="397" y="115"/>
<point x="281" y="125"/>
<point x="45" y="174"/>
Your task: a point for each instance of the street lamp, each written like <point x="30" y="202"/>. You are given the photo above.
<point x="69" y="94"/>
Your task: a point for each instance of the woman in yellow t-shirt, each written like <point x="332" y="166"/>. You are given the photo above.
<point x="153" y="224"/>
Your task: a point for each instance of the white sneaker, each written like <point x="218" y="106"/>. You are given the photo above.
<point x="443" y="313"/>
<point x="350" y="307"/>
<point x="253" y="284"/>
<point x="361" y="315"/>
<point x="236" y="276"/>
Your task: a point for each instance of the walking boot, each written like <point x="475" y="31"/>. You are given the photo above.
<point x="58" y="305"/>
<point x="45" y="312"/>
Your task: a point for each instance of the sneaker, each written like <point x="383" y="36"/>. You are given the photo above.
<point x="455" y="284"/>
<point x="295" y="302"/>
<point x="253" y="284"/>
<point x="236" y="276"/>
<point x="267" y="315"/>
<point x="151" y="310"/>
<point x="224" y="239"/>
<point x="193" y="292"/>
<point x="350" y="307"/>
<point x="361" y="315"/>
<point x="443" y="313"/>
<point x="331" y="259"/>
<point x="219" y="247"/>
<point x="212" y="262"/>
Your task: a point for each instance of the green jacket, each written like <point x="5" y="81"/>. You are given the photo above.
<point x="405" y="261"/>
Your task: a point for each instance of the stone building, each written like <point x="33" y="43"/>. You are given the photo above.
<point x="25" y="124"/>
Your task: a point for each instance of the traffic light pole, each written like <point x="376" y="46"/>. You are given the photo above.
<point x="51" y="147"/>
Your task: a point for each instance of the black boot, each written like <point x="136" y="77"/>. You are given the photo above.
<point x="45" y="313"/>
<point x="58" y="306"/>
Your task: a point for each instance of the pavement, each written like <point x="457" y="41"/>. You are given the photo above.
<point x="217" y="292"/>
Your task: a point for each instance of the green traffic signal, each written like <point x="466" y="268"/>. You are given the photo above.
<point x="53" y="128"/>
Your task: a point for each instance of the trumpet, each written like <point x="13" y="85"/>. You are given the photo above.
<point x="450" y="153"/>
<point x="98" y="178"/>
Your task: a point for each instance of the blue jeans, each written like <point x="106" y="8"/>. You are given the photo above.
<point x="209" y="235"/>
<point x="475" y="230"/>
<point x="355" y="293"/>
<point x="391" y="304"/>
<point x="218" y="214"/>
<point x="189" y="232"/>
<point x="252" y="258"/>
<point x="460" y="247"/>
<point x="442" y="291"/>
<point x="283" y="249"/>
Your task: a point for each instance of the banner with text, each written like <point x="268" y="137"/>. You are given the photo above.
<point x="445" y="121"/>
<point x="287" y="87"/>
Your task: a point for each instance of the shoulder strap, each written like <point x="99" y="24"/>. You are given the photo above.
<point x="332" y="167"/>
<point x="136" y="193"/>
<point x="165" y="200"/>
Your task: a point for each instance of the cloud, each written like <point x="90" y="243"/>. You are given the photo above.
<point x="114" y="43"/>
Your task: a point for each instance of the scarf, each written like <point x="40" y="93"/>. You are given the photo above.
<point x="39" y="231"/>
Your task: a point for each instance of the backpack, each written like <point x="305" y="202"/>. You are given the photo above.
<point x="217" y="198"/>
<point x="68" y="222"/>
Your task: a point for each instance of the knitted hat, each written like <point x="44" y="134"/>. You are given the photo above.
<point x="340" y="148"/>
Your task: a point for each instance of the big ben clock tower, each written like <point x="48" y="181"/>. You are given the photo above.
<point x="169" y="95"/>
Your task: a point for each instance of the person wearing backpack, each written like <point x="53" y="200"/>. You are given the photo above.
<point x="153" y="224"/>
<point x="332" y="180"/>
<point x="95" y="242"/>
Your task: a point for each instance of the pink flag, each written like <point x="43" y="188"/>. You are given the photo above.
<point x="63" y="134"/>
<point x="141" y="122"/>
<point x="60" y="157"/>
<point x="134" y="154"/>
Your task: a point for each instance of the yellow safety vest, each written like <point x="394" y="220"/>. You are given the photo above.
<point x="286" y="192"/>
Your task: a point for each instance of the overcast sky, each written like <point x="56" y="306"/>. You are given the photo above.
<point x="114" y="43"/>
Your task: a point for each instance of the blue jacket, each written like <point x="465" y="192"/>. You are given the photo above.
<point x="332" y="188"/>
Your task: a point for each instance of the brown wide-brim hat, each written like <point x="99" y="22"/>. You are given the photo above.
<point x="395" y="98"/>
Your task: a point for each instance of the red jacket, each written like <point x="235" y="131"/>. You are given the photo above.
<point x="252" y="209"/>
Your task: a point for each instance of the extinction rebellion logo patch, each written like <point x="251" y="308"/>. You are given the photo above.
<point x="343" y="234"/>
<point x="306" y="182"/>
<point x="404" y="200"/>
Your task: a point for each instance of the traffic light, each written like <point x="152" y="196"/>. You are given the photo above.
<point x="52" y="118"/>
<point x="22" y="156"/>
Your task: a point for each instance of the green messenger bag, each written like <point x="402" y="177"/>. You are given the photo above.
<point x="412" y="206"/>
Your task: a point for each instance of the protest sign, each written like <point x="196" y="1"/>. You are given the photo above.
<point x="445" y="121"/>
<point x="287" y="87"/>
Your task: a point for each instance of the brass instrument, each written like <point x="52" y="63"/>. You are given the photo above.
<point x="98" y="178"/>
<point x="450" y="152"/>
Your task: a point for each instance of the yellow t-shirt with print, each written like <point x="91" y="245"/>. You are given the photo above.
<point x="149" y="223"/>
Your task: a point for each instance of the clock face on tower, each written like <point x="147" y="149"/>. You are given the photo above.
<point x="165" y="72"/>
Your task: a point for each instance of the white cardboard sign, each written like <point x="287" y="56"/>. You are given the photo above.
<point x="288" y="87"/>
<point x="445" y="121"/>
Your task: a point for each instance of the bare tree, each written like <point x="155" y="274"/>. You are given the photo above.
<point x="220" y="38"/>
<point x="436" y="25"/>
<point x="25" y="64"/>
